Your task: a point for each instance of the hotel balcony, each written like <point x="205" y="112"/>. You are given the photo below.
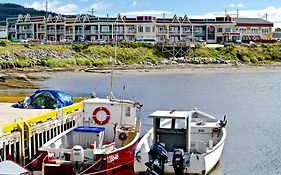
<point x="41" y="30"/>
<point x="118" y="31"/>
<point x="23" y="31"/>
<point x="69" y="32"/>
<point x="132" y="31"/>
<point x="12" y="30"/>
<point x="105" y="32"/>
<point x="60" y="31"/>
<point x="174" y="32"/>
<point x="78" y="32"/>
<point x="51" y="32"/>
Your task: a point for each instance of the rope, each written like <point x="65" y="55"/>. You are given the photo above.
<point x="32" y="161"/>
<point x="90" y="167"/>
<point x="103" y="171"/>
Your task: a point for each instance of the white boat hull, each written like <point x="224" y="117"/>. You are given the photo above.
<point x="199" y="163"/>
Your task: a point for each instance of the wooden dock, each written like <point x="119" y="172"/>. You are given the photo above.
<point x="10" y="114"/>
<point x="24" y="131"/>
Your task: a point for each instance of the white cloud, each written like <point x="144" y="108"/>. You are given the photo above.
<point x="236" y="5"/>
<point x="100" y="5"/>
<point x="134" y="3"/>
<point x="55" y="6"/>
<point x="146" y="12"/>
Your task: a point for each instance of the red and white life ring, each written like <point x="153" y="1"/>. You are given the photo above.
<point x="101" y="122"/>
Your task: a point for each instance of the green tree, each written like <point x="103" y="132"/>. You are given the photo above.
<point x="278" y="29"/>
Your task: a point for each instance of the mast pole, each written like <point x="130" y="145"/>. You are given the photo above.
<point x="111" y="80"/>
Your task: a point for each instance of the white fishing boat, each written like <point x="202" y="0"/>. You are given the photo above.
<point x="103" y="140"/>
<point x="181" y="142"/>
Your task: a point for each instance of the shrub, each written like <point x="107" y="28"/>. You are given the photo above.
<point x="3" y="44"/>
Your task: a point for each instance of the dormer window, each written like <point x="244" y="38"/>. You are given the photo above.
<point x="128" y="111"/>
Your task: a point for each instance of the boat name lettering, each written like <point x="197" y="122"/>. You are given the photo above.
<point x="112" y="158"/>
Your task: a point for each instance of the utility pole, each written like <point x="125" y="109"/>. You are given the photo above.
<point x="92" y="12"/>
<point x="45" y="37"/>
<point x="164" y="28"/>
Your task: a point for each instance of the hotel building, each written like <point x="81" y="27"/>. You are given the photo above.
<point x="92" y="28"/>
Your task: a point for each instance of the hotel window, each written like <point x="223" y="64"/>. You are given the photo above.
<point x="140" y="29"/>
<point x="128" y="111"/>
<point x="104" y="28"/>
<point x="254" y="30"/>
<point x="219" y="30"/>
<point x="161" y="29"/>
<point x="147" y="29"/>
<point x="186" y="29"/>
<point x="227" y="29"/>
<point x="265" y="30"/>
<point x="242" y="30"/>
<point x="131" y="28"/>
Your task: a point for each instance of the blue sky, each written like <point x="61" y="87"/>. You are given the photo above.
<point x="195" y="8"/>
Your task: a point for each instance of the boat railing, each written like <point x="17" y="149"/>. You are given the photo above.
<point x="33" y="132"/>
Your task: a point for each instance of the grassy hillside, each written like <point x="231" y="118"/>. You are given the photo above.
<point x="13" y="55"/>
<point x="264" y="53"/>
<point x="75" y="55"/>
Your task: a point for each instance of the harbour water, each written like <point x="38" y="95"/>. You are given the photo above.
<point x="250" y="99"/>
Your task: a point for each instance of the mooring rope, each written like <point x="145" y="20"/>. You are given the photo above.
<point x="89" y="167"/>
<point x="32" y="161"/>
<point x="103" y="171"/>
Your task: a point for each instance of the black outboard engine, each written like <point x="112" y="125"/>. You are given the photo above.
<point x="158" y="156"/>
<point x="178" y="161"/>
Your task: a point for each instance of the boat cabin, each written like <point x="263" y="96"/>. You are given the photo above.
<point x="172" y="129"/>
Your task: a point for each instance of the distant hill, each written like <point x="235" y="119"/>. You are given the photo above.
<point x="8" y="10"/>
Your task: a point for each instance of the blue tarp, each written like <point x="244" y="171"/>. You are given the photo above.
<point x="46" y="99"/>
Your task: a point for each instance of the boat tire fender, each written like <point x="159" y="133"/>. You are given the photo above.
<point x="123" y="136"/>
<point x="101" y="122"/>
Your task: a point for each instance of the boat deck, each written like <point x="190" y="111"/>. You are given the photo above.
<point x="9" y="114"/>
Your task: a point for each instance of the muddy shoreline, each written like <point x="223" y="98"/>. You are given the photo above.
<point x="26" y="78"/>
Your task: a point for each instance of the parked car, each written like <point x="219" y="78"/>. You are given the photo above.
<point x="203" y="42"/>
<point x="100" y="41"/>
<point x="147" y="40"/>
<point x="15" y="40"/>
<point x="26" y="40"/>
<point x="238" y="42"/>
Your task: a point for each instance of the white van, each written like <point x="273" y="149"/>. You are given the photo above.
<point x="147" y="40"/>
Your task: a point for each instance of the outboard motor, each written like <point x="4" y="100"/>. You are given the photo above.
<point x="77" y="158"/>
<point x="178" y="161"/>
<point x="158" y="156"/>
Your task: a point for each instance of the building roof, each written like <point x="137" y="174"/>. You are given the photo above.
<point x="252" y="21"/>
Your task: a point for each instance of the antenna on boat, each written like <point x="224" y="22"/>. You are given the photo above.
<point x="111" y="81"/>
<point x="112" y="66"/>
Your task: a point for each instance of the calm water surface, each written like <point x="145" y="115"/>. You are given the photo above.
<point x="252" y="102"/>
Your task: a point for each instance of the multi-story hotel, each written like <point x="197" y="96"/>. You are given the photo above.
<point x="85" y="27"/>
<point x="3" y="30"/>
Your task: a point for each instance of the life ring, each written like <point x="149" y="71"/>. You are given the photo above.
<point x="123" y="136"/>
<point x="101" y="122"/>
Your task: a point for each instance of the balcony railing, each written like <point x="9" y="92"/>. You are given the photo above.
<point x="51" y="31"/>
<point x="106" y="32"/>
<point x="60" y="31"/>
<point x="174" y="32"/>
<point x="78" y="32"/>
<point x="42" y="30"/>
<point x="118" y="31"/>
<point x="11" y="30"/>
<point x="24" y="31"/>
<point x="132" y="31"/>
<point x="69" y="32"/>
